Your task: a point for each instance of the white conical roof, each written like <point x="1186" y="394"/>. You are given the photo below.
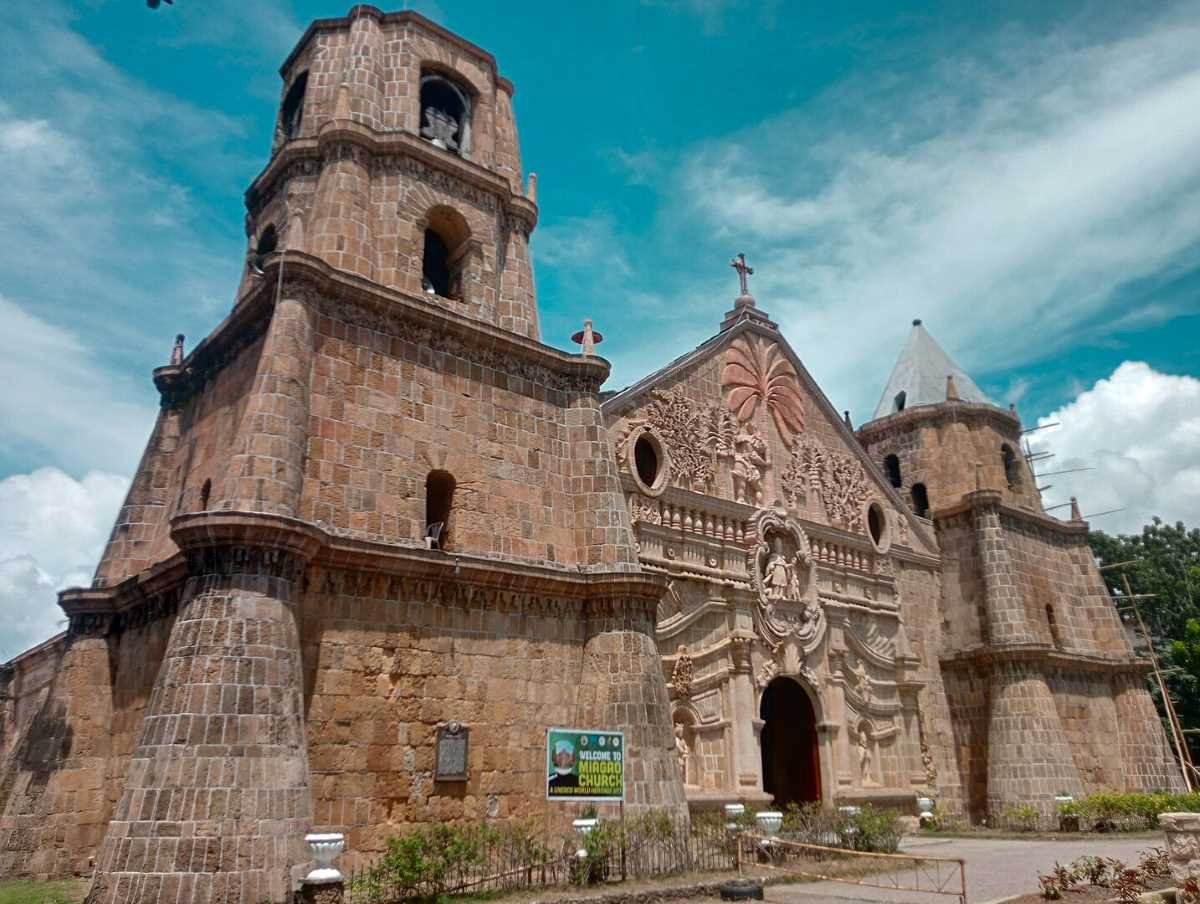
<point x="920" y="373"/>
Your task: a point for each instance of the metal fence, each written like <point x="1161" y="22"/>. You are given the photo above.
<point x="639" y="850"/>
<point x="893" y="872"/>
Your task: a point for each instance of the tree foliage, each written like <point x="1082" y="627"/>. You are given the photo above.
<point x="1166" y="561"/>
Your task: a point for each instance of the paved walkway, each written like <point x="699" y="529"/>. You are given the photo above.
<point x="996" y="868"/>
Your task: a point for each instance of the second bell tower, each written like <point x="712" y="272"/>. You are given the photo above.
<point x="395" y="158"/>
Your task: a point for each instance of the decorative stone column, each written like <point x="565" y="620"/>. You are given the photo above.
<point x="1183" y="846"/>
<point x="746" y="754"/>
<point x="622" y="688"/>
<point x="216" y="801"/>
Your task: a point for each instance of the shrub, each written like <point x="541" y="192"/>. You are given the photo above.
<point x="878" y="831"/>
<point x="1108" y="812"/>
<point x="1023" y="817"/>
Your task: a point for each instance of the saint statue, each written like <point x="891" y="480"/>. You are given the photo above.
<point x="749" y="460"/>
<point x="682" y="750"/>
<point x="779" y="574"/>
<point x="864" y="752"/>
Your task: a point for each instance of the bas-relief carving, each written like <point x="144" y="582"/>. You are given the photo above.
<point x="834" y="482"/>
<point x="695" y="437"/>
<point x="758" y="376"/>
<point x="682" y="674"/>
<point x="786" y="583"/>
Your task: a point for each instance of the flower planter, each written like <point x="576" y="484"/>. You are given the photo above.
<point x="769" y="822"/>
<point x="323" y="847"/>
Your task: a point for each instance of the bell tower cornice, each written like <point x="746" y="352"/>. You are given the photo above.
<point x="383" y="150"/>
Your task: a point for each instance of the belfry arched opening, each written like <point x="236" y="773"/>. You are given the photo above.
<point x="790" y="759"/>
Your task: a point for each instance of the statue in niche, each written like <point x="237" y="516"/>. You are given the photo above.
<point x="749" y="463"/>
<point x="864" y="751"/>
<point x="781" y="576"/>
<point x="682" y="751"/>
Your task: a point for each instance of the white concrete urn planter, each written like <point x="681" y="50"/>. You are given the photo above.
<point x="1183" y="844"/>
<point x="582" y="827"/>
<point x="925" y="815"/>
<point x="733" y="815"/>
<point x="769" y="822"/>
<point x="324" y="847"/>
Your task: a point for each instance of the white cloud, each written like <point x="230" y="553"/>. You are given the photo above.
<point x="1010" y="190"/>
<point x="59" y="404"/>
<point x="1140" y="430"/>
<point x="52" y="532"/>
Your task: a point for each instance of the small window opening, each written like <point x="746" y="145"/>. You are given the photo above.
<point x="1012" y="473"/>
<point x="439" y="499"/>
<point x="645" y="458"/>
<point x="446" y="253"/>
<point x="920" y="500"/>
<point x="1052" y="622"/>
<point x="293" y="106"/>
<point x="875" y="523"/>
<point x="445" y="113"/>
<point x="435" y="267"/>
<point x="268" y="243"/>
<point x="205" y="493"/>
<point x="900" y="399"/>
<point x="891" y="467"/>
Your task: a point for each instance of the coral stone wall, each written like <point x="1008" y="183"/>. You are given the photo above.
<point x="203" y="435"/>
<point x="387" y="661"/>
<point x="534" y="481"/>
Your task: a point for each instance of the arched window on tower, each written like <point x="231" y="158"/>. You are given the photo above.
<point x="293" y="107"/>
<point x="439" y="502"/>
<point x="444" y="253"/>
<point x="268" y="243"/>
<point x="1012" y="472"/>
<point x="891" y="467"/>
<point x="900" y="399"/>
<point x="445" y="113"/>
<point x="920" y="500"/>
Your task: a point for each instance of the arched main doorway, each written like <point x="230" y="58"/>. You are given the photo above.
<point x="790" y="761"/>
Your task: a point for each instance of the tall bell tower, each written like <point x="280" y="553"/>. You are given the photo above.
<point x="395" y="158"/>
<point x="373" y="497"/>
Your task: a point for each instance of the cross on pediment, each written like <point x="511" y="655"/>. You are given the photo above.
<point x="743" y="270"/>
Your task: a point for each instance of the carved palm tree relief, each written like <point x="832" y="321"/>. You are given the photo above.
<point x="757" y="373"/>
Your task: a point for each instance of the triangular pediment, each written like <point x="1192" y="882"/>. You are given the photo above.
<point x="741" y="419"/>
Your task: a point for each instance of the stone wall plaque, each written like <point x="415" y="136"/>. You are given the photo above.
<point x="452" y="743"/>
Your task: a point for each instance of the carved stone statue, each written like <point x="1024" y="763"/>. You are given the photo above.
<point x="861" y="680"/>
<point x="682" y="750"/>
<point x="749" y="461"/>
<point x="864" y="751"/>
<point x="682" y="674"/>
<point x="779" y="574"/>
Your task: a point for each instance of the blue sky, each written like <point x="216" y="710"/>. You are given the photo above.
<point x="1023" y="176"/>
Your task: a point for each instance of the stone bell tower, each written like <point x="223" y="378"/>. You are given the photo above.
<point x="370" y="486"/>
<point x="1026" y="621"/>
<point x="396" y="158"/>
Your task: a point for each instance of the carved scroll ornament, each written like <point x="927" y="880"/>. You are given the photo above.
<point x="786" y="580"/>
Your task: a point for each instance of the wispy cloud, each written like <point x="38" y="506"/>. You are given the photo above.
<point x="60" y="404"/>
<point x="1008" y="191"/>
<point x="107" y="247"/>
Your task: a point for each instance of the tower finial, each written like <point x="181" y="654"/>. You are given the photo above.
<point x="1075" y="514"/>
<point x="743" y="270"/>
<point x="177" y="350"/>
<point x="951" y="389"/>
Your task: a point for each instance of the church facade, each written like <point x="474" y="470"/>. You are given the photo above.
<point x="375" y="508"/>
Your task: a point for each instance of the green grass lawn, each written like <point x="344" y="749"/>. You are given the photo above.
<point x="24" y="891"/>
